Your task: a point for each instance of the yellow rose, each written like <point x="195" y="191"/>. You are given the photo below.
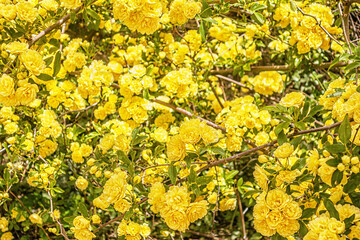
<point x="192" y="8"/>
<point x="33" y="61"/>
<point x="35" y="218"/>
<point x="294" y="99"/>
<point x="197" y="210"/>
<point x="96" y="219"/>
<point x="81" y="222"/>
<point x="260" y="211"/>
<point x="176" y="148"/>
<point x="292" y="210"/>
<point x="288" y="227"/>
<point x="284" y="151"/>
<point x="115" y="187"/>
<point x="16" y="47"/>
<point x="7" y="236"/>
<point x="177" y="220"/>
<point x="177" y="197"/>
<point x="208" y="134"/>
<point x="189" y="131"/>
<point x="122" y="205"/>
<point x="263" y="228"/>
<point x="156" y="197"/>
<point x="71" y="4"/>
<point x="274" y="218"/>
<point x="6" y="85"/>
<point x="228" y="204"/>
<point x="8" y="11"/>
<point x="83" y="234"/>
<point x="277" y="199"/>
<point x="100" y="202"/>
<point x="81" y="183"/>
<point x="26" y="11"/>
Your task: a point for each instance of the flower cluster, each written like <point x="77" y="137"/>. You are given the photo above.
<point x="114" y="193"/>
<point x="307" y="34"/>
<point x="239" y="118"/>
<point x="141" y="16"/>
<point x="266" y="83"/>
<point x="175" y="206"/>
<point x="190" y="132"/>
<point x="82" y="228"/>
<point x="182" y="10"/>
<point x="274" y="212"/>
<point x="132" y="230"/>
<point x="180" y="83"/>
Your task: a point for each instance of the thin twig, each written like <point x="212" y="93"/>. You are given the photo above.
<point x="62" y="229"/>
<point x="319" y="23"/>
<point x="28" y="211"/>
<point x="187" y="113"/>
<point x="235" y="82"/>
<point x="80" y="110"/>
<point x="239" y="155"/>
<point x="256" y="69"/>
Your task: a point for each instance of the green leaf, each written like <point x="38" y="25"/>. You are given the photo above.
<point x="345" y="130"/>
<point x="335" y="148"/>
<point x="352" y="183"/>
<point x="123" y="157"/>
<point x="303" y="229"/>
<point x="204" y="180"/>
<point x="355" y="198"/>
<point x="296" y="141"/>
<point x="149" y="69"/>
<point x="195" y="188"/>
<point x="58" y="190"/>
<point x="44" y="77"/>
<point x="93" y="14"/>
<point x="231" y="174"/>
<point x="293" y="6"/>
<point x="218" y="150"/>
<point x="308" y="212"/>
<point x="280" y="127"/>
<point x="282" y="138"/>
<point x="336" y="178"/>
<point x="172" y="173"/>
<point x="333" y="162"/>
<point x="300" y="125"/>
<point x="257" y="7"/>
<point x="352" y="66"/>
<point x="202" y="31"/>
<point x="207" y="12"/>
<point x="192" y="175"/>
<point x="57" y="63"/>
<point x="258" y="18"/>
<point x="83" y="209"/>
<point x="138" y="139"/>
<point x="331" y="208"/>
<point x="315" y="110"/>
<point x="6" y="175"/>
<point x="348" y="221"/>
<point x="299" y="164"/>
<point x="69" y="219"/>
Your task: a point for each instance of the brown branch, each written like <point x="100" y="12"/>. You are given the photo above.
<point x="80" y="110"/>
<point x="187" y="113"/>
<point x="52" y="27"/>
<point x="241" y="214"/>
<point x="239" y="155"/>
<point x="278" y="68"/>
<point x="109" y="222"/>
<point x="235" y="82"/>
